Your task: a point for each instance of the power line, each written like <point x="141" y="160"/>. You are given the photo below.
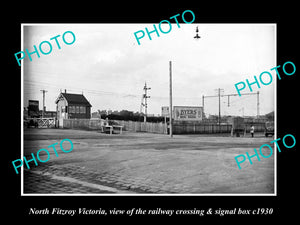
<point x="100" y="92"/>
<point x="229" y="95"/>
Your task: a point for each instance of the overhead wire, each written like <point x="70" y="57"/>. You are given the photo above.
<point x="99" y="92"/>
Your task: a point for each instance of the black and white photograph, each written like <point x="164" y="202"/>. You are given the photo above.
<point x="109" y="93"/>
<point x="150" y="112"/>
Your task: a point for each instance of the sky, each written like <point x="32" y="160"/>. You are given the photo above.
<point x="107" y="65"/>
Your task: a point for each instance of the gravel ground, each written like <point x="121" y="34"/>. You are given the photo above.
<point x="143" y="163"/>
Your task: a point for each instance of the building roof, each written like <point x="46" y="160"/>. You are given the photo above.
<point x="77" y="99"/>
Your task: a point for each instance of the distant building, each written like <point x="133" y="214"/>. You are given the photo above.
<point x="33" y="108"/>
<point x="95" y="115"/>
<point x="47" y="114"/>
<point x="32" y="111"/>
<point x="72" y="106"/>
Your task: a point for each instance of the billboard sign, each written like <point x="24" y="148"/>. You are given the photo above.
<point x="188" y="113"/>
<point x="33" y="103"/>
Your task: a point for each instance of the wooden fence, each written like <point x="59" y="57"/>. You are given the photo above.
<point x="201" y="128"/>
<point x="179" y="128"/>
<point x="159" y="128"/>
<point x="136" y="126"/>
<point x="85" y="124"/>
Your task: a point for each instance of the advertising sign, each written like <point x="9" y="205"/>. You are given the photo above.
<point x="188" y="113"/>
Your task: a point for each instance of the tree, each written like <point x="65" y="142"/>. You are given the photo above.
<point x="270" y="116"/>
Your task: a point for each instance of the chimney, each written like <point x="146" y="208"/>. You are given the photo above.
<point x="65" y="91"/>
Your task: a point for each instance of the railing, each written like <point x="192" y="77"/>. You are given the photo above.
<point x="45" y="122"/>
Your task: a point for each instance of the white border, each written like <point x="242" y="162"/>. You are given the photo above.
<point x="22" y="109"/>
<point x="215" y="194"/>
<point x="275" y="119"/>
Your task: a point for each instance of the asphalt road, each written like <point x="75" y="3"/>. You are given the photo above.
<point x="143" y="163"/>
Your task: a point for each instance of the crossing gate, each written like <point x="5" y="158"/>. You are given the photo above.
<point x="46" y="122"/>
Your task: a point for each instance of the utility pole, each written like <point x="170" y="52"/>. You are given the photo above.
<point x="257" y="104"/>
<point x="202" y="106"/>
<point x="219" y="93"/>
<point x="219" y="118"/>
<point x="144" y="99"/>
<point x="44" y="91"/>
<point x="170" y="108"/>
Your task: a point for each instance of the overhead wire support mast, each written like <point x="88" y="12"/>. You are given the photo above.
<point x="228" y="95"/>
<point x="219" y="95"/>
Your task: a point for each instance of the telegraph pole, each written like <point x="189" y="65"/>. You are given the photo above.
<point x="257" y="104"/>
<point x="44" y="91"/>
<point x="144" y="99"/>
<point x="219" y="95"/>
<point x="170" y="108"/>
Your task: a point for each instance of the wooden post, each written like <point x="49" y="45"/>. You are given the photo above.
<point x="170" y="108"/>
<point x="165" y="125"/>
